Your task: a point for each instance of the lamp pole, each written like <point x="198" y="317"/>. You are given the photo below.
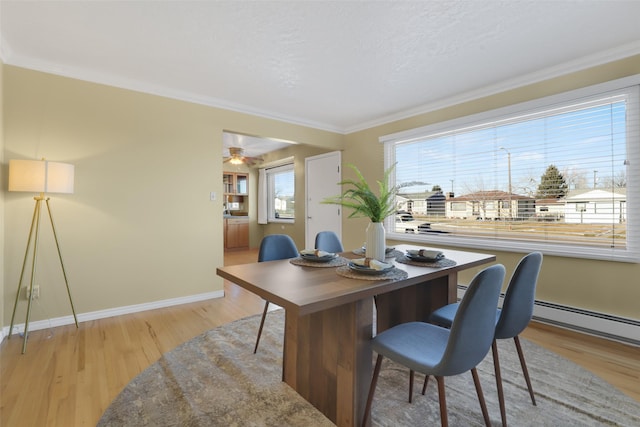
<point x="40" y="177"/>
<point x="509" y="169"/>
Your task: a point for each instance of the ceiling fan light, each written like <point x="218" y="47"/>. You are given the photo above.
<point x="236" y="161"/>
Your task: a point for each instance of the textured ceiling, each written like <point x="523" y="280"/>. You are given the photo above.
<point x="335" y="65"/>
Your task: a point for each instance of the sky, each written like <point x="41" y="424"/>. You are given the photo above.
<point x="585" y="144"/>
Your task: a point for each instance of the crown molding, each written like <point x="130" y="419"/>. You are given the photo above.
<point x="621" y="52"/>
<point x="144" y="87"/>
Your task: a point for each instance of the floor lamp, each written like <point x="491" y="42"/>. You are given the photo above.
<point x="39" y="176"/>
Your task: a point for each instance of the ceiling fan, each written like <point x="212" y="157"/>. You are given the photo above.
<point x="236" y="157"/>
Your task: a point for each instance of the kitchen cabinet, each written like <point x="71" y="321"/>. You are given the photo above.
<point x="236" y="204"/>
<point x="235" y="183"/>
<point x="236" y="233"/>
<point x="236" y="193"/>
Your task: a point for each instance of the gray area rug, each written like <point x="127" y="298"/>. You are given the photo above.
<point x="216" y="380"/>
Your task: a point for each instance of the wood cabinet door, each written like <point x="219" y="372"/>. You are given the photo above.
<point x="243" y="234"/>
<point x="236" y="234"/>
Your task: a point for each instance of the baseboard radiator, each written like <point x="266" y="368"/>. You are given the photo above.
<point x="589" y="322"/>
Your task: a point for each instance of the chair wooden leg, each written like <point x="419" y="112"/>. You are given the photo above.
<point x="444" y="419"/>
<point x="411" y="376"/>
<point x="516" y="339"/>
<point x="424" y="386"/>
<point x="264" y="316"/>
<point x="483" y="405"/>
<point x="496" y="367"/>
<point x="372" y="390"/>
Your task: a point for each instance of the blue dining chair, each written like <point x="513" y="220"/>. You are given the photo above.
<point x="328" y="241"/>
<point x="511" y="319"/>
<point x="434" y="350"/>
<point x="274" y="247"/>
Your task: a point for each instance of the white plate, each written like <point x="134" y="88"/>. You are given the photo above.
<point x="369" y="270"/>
<point x="314" y="258"/>
<point x="422" y="258"/>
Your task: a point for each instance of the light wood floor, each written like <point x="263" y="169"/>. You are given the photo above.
<point x="69" y="376"/>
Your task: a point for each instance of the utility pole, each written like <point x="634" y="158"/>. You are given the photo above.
<point x="509" y="169"/>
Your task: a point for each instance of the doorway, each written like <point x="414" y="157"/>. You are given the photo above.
<point x="322" y="174"/>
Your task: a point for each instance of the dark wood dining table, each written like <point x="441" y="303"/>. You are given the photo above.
<point x="327" y="356"/>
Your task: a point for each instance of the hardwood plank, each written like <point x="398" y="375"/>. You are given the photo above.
<point x="68" y="377"/>
<point x="615" y="362"/>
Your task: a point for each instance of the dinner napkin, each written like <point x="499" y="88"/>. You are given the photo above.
<point x="371" y="263"/>
<point x="315" y="252"/>
<point x="386" y="250"/>
<point x="426" y="253"/>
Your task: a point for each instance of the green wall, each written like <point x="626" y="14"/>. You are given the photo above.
<point x="609" y="287"/>
<point x="3" y="183"/>
<point x="141" y="228"/>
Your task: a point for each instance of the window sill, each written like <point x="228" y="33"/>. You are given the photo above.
<point x="281" y="221"/>
<point x="554" y="249"/>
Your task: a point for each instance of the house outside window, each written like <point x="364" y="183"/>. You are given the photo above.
<point x="514" y="174"/>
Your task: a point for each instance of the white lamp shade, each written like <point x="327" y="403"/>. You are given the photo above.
<point x="40" y="176"/>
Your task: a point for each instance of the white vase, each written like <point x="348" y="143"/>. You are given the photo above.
<point x="376" y="243"/>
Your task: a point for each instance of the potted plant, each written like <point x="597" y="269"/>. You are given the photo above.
<point x="364" y="202"/>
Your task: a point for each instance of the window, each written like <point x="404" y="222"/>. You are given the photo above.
<point x="528" y="177"/>
<point x="458" y="206"/>
<point x="281" y="193"/>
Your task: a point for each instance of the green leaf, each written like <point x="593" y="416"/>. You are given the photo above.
<point x="363" y="201"/>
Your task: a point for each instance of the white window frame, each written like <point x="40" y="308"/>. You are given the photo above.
<point x="270" y="172"/>
<point x="629" y="254"/>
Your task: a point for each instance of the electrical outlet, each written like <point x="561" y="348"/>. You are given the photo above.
<point x="36" y="292"/>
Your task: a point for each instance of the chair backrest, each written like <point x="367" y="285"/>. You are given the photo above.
<point x="473" y="326"/>
<point x="328" y="241"/>
<point x="517" y="308"/>
<point x="277" y="246"/>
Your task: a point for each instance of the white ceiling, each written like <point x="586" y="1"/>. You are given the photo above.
<point x="334" y="65"/>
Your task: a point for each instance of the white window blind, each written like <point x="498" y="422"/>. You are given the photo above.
<point x="558" y="174"/>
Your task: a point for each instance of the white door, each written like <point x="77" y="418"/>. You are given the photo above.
<point x="322" y="175"/>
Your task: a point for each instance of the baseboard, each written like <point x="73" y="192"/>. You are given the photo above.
<point x="103" y="314"/>
<point x="599" y="324"/>
<point x="589" y="322"/>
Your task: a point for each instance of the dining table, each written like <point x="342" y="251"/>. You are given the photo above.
<point x="333" y="309"/>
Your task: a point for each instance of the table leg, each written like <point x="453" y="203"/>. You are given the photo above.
<point x="415" y="303"/>
<point x="328" y="359"/>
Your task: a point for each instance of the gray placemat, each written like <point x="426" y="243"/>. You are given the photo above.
<point x="394" y="274"/>
<point x="336" y="262"/>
